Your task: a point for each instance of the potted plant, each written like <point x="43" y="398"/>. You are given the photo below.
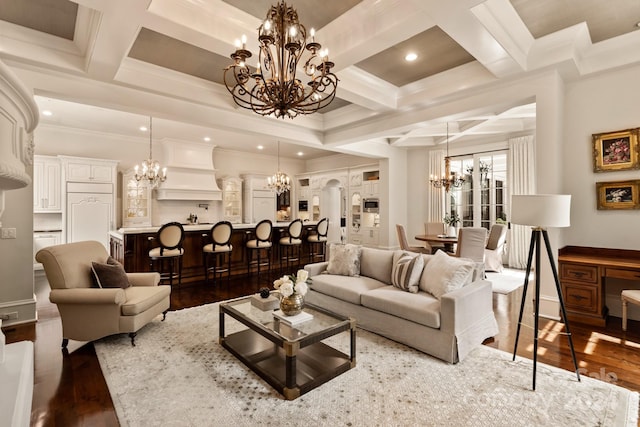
<point x="452" y="222"/>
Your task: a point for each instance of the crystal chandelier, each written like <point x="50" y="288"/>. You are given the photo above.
<point x="280" y="181"/>
<point x="274" y="88"/>
<point x="150" y="169"/>
<point x="450" y="179"/>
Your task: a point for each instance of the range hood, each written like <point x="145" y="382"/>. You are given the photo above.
<point x="190" y="172"/>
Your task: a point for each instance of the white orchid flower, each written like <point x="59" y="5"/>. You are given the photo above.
<point x="301" y="288"/>
<point x="303" y="275"/>
<point x="286" y="288"/>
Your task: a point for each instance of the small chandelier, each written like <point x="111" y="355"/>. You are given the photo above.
<point x="150" y="168"/>
<point x="450" y="179"/>
<point x="280" y="181"/>
<point x="274" y="87"/>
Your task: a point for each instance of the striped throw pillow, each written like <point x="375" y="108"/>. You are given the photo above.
<point x="406" y="272"/>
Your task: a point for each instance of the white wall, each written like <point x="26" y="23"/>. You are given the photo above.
<point x="600" y="104"/>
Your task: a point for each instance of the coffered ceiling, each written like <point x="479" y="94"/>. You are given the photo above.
<point x="90" y="61"/>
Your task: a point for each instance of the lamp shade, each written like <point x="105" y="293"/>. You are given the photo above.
<point x="541" y="210"/>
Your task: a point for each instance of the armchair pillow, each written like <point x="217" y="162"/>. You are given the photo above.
<point x="344" y="260"/>
<point x="406" y="271"/>
<point x="445" y="273"/>
<point x="110" y="274"/>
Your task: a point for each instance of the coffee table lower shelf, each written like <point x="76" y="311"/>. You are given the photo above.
<point x="291" y="371"/>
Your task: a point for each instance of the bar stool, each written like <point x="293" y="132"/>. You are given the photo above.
<point x="290" y="245"/>
<point x="170" y="237"/>
<point x="262" y="242"/>
<point x="219" y="249"/>
<point x="628" y="296"/>
<point x="318" y="240"/>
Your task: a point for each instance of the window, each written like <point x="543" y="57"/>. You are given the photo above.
<point x="482" y="200"/>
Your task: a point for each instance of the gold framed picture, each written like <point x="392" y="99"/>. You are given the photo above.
<point x="618" y="194"/>
<point x="614" y="151"/>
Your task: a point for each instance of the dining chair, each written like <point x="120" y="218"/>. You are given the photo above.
<point x="261" y="242"/>
<point x="494" y="250"/>
<point x="471" y="244"/>
<point x="628" y="296"/>
<point x="404" y="244"/>
<point x="290" y="244"/>
<point x="216" y="248"/>
<point x="163" y="257"/>
<point x="318" y="241"/>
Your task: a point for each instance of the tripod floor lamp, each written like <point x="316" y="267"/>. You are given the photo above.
<point x="541" y="211"/>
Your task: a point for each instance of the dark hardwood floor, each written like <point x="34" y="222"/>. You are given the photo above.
<point x="69" y="389"/>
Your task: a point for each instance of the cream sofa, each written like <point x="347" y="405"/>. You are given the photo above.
<point x="89" y="312"/>
<point x="447" y="328"/>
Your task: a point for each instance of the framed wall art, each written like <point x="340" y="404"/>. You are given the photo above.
<point x="614" y="151"/>
<point x="618" y="194"/>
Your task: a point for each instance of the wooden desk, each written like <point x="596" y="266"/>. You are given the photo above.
<point x="583" y="272"/>
<point x="435" y="238"/>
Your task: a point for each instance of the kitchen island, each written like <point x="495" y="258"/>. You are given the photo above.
<point x="131" y="245"/>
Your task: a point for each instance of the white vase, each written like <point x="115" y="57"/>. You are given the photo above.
<point x="451" y="231"/>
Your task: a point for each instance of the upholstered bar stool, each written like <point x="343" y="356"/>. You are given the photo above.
<point x="628" y="296"/>
<point x="169" y="252"/>
<point x="261" y="243"/>
<point x="318" y="241"/>
<point x="290" y="246"/>
<point x="214" y="253"/>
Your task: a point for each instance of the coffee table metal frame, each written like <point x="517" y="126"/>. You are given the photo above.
<point x="292" y="359"/>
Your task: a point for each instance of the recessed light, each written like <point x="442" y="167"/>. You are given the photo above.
<point x="638" y="24"/>
<point x="260" y="147"/>
<point x="411" y="56"/>
<point x="47" y="113"/>
<point x="143" y="128"/>
<point x="206" y="138"/>
<point x="300" y="153"/>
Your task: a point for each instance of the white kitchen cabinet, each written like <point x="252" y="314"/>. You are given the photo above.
<point x="370" y="183"/>
<point x="47" y="184"/>
<point x="355" y="179"/>
<point x="259" y="200"/>
<point x="232" y="199"/>
<point x="42" y="239"/>
<point x="370" y="237"/>
<point x="136" y="201"/>
<point x="90" y="217"/>
<point x="88" y="170"/>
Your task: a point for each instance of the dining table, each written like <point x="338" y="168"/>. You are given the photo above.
<point x="448" y="241"/>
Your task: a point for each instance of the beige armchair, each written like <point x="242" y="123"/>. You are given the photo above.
<point x="89" y="312"/>
<point x="495" y="248"/>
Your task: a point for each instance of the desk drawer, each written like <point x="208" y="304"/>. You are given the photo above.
<point x="583" y="298"/>
<point x="580" y="272"/>
<point x="623" y="274"/>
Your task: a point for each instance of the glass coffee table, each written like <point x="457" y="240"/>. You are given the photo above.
<point x="293" y="359"/>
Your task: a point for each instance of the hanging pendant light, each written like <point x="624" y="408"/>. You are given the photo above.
<point x="450" y="179"/>
<point x="280" y="181"/>
<point x="150" y="169"/>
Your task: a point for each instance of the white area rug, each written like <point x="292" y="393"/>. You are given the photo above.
<point x="507" y="281"/>
<point x="178" y="375"/>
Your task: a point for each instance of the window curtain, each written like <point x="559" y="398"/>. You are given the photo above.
<point x="435" y="196"/>
<point x="521" y="180"/>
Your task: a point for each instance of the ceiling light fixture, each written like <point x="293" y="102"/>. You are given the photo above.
<point x="411" y="57"/>
<point x="47" y="113"/>
<point x="280" y="181"/>
<point x="150" y="168"/>
<point x="274" y="88"/>
<point x="450" y="179"/>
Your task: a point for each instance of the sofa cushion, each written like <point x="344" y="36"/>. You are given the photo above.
<point x="110" y="274"/>
<point x="420" y="308"/>
<point x="407" y="270"/>
<point x="377" y="264"/>
<point x="140" y="298"/>
<point x="444" y="273"/>
<point x="345" y="288"/>
<point x="344" y="260"/>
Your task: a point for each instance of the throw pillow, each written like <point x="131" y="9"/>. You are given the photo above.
<point x="406" y="272"/>
<point x="110" y="274"/>
<point x="445" y="273"/>
<point x="344" y="260"/>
